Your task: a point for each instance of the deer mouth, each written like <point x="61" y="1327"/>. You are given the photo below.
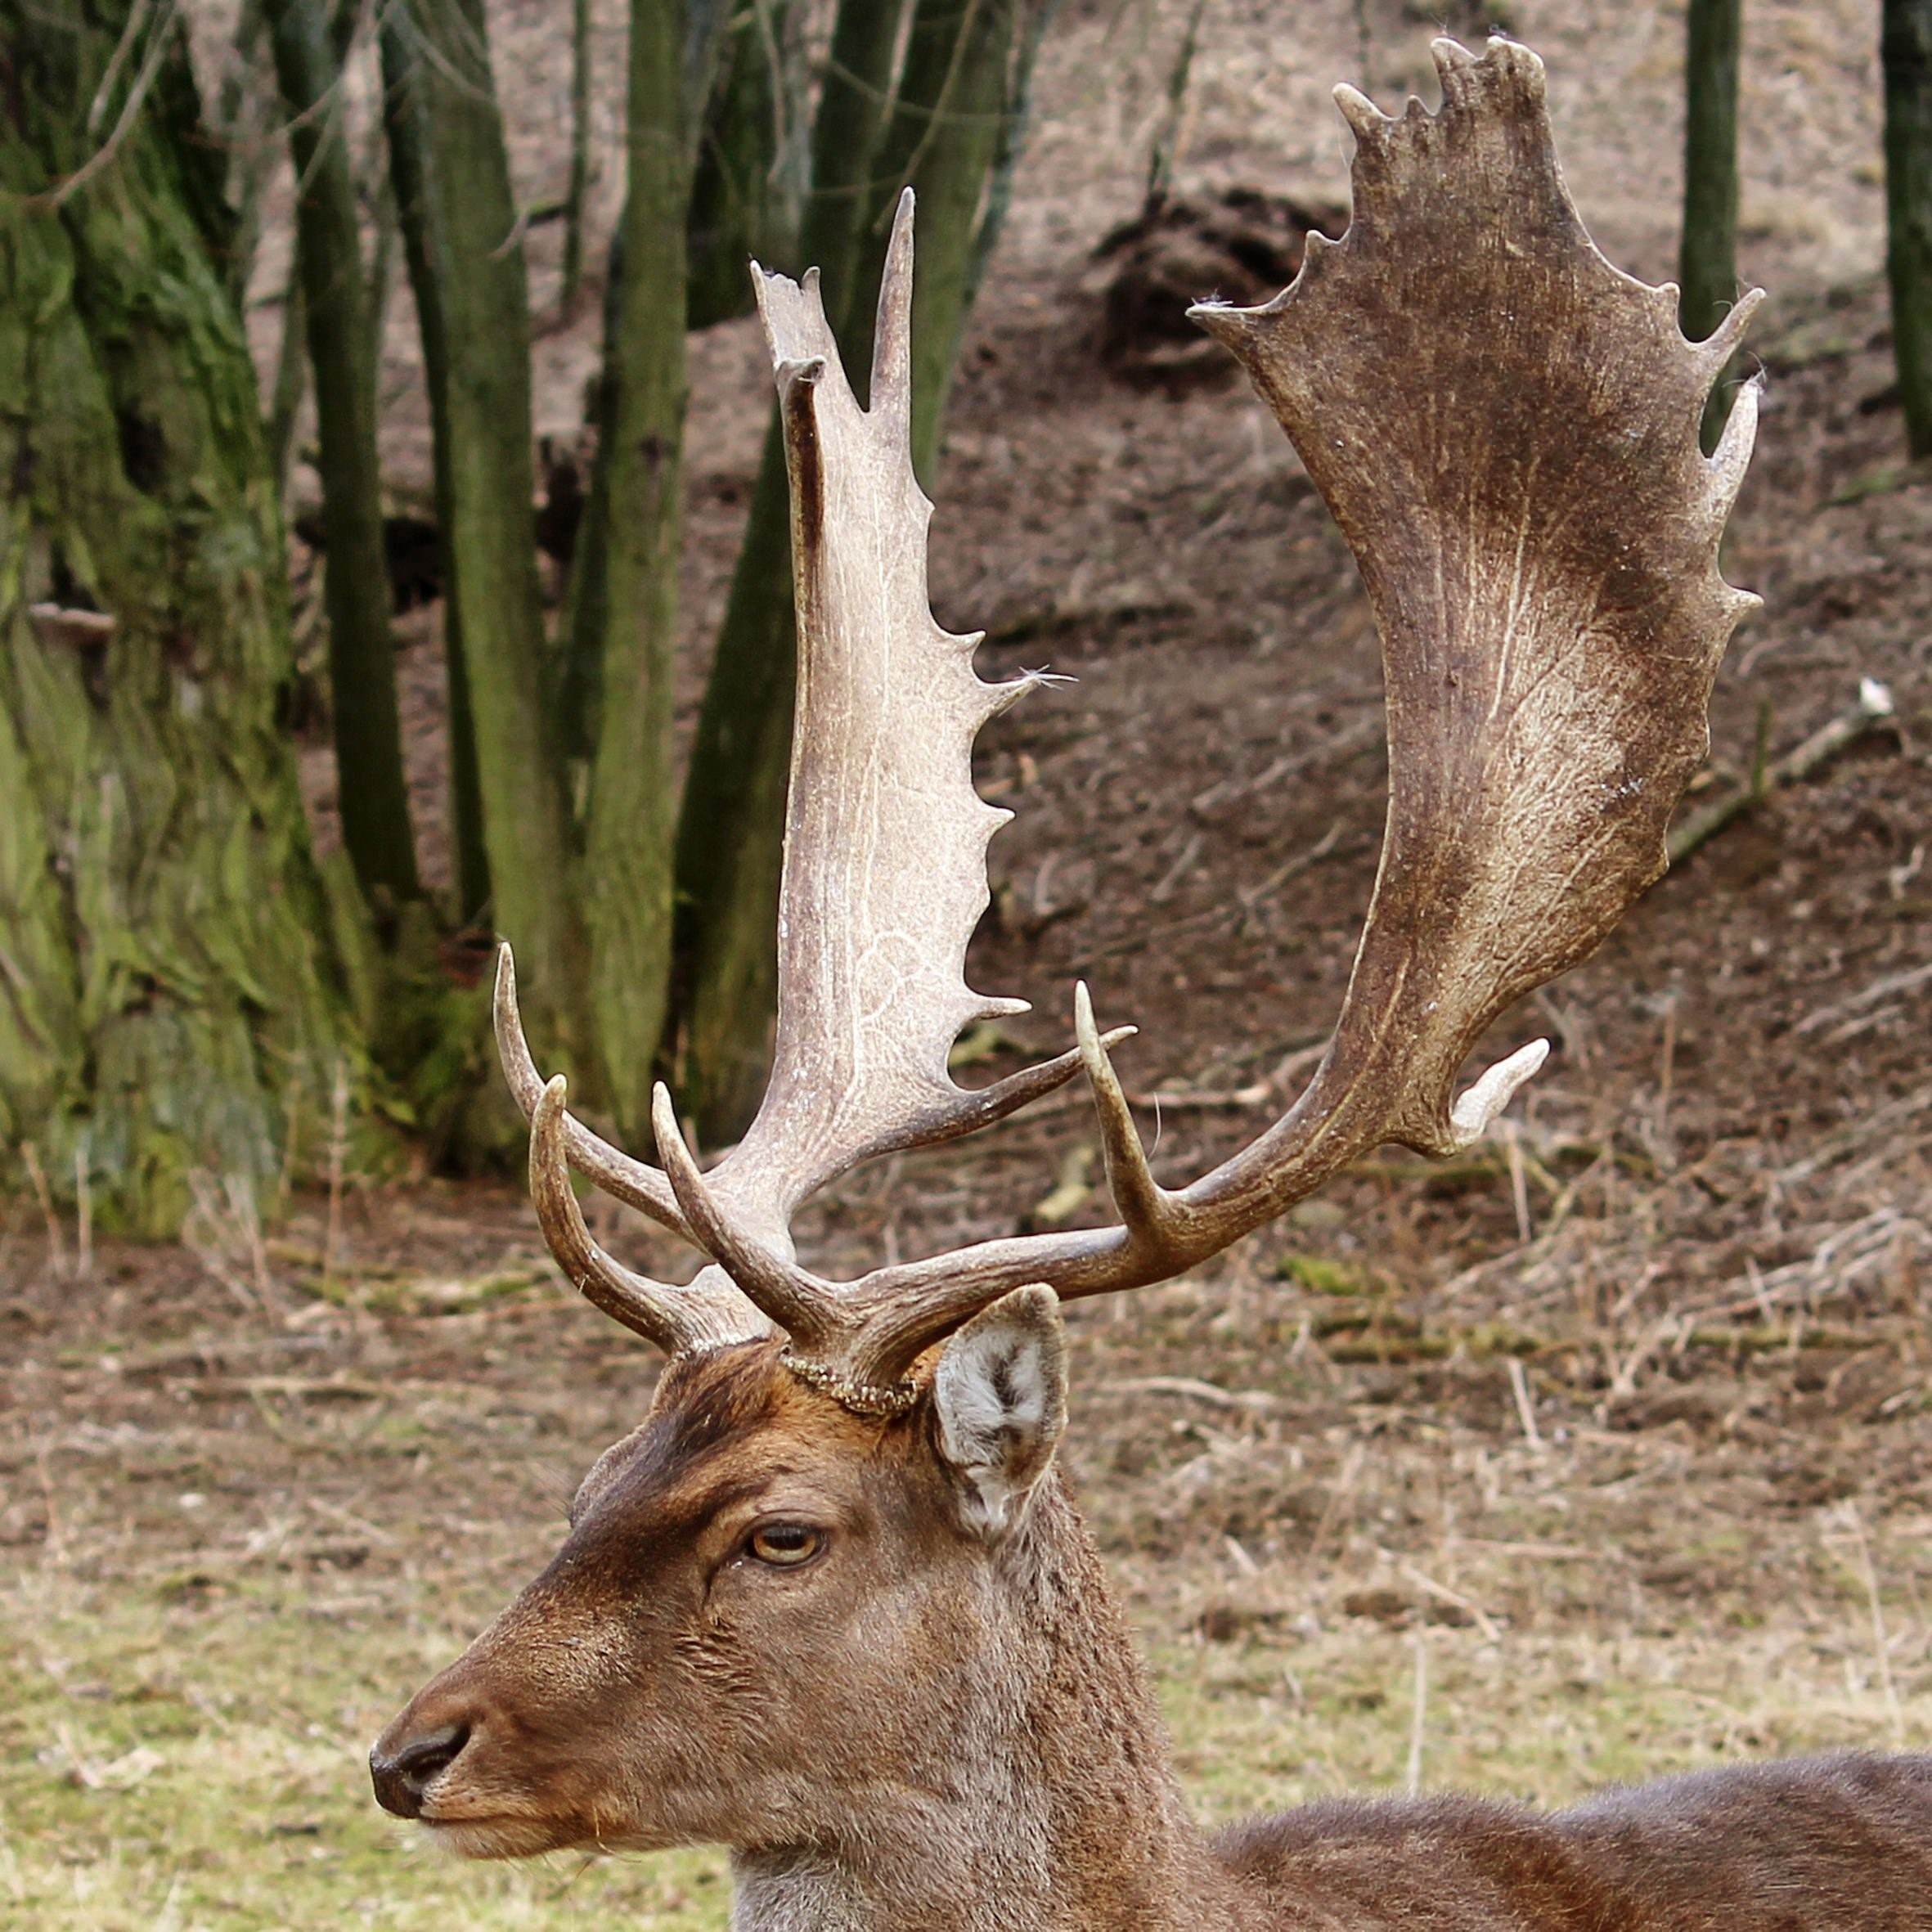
<point x="497" y="1834"/>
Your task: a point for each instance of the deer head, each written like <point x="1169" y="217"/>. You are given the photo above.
<point x="805" y="1586"/>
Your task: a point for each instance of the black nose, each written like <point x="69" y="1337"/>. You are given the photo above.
<point x="402" y="1776"/>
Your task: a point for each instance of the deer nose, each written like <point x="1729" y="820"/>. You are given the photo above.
<point x="402" y="1776"/>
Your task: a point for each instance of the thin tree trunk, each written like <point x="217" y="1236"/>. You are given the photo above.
<point x="744" y="197"/>
<point x="242" y="119"/>
<point x="404" y="129"/>
<point x="472" y="277"/>
<point x="944" y="140"/>
<point x="730" y="829"/>
<point x="1012" y="140"/>
<point x="1707" y="255"/>
<point x="577" y="194"/>
<point x="291" y="373"/>
<point x="955" y="163"/>
<point x="625" y="608"/>
<point x="372" y="792"/>
<point x="1907" y="52"/>
<point x="171" y="995"/>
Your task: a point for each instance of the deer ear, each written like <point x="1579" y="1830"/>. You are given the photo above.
<point x="1000" y="1395"/>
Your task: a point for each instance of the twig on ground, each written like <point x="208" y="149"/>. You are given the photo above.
<point x="84" y="1213"/>
<point x="1213" y="803"/>
<point x="1893" y="983"/>
<point x="1834" y="1146"/>
<point x="1204" y="1099"/>
<point x="1187" y="1386"/>
<point x="1880" y="1640"/>
<point x="1244" y="902"/>
<point x="1874" y="708"/>
<point x="1164" y="887"/>
<point x="1519" y="1387"/>
<point x="1455" y="1599"/>
<point x="1251" y="896"/>
<point x="338" y="1151"/>
<point x="1418" y="1713"/>
<point x="1519" y="1184"/>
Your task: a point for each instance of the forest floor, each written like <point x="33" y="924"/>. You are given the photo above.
<point x="1607" y="1451"/>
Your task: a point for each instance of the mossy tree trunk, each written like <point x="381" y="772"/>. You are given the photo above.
<point x="577" y="195"/>
<point x="853" y="103"/>
<point x="730" y="830"/>
<point x="290" y="384"/>
<point x="951" y="169"/>
<point x="403" y="125"/>
<point x="438" y="74"/>
<point x="1707" y="252"/>
<point x="171" y="998"/>
<point x="624" y="614"/>
<point x="372" y="791"/>
<point x="1907" y="52"/>
<point x="955" y="94"/>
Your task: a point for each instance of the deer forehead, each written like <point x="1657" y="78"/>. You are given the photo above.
<point x="727" y="1432"/>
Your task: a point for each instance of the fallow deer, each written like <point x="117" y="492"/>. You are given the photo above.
<point x="830" y="1604"/>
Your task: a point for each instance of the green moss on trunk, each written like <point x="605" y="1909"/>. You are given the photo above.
<point x="371" y="786"/>
<point x="624" y="621"/>
<point x="169" y="990"/>
<point x="438" y="70"/>
<point x="403" y="126"/>
<point x="744" y="199"/>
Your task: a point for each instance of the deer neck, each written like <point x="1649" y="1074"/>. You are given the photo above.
<point x="1047" y="1803"/>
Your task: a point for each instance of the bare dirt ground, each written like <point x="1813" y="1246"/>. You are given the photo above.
<point x="1604" y="1452"/>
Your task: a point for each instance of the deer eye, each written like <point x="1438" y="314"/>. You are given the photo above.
<point x="785" y="1545"/>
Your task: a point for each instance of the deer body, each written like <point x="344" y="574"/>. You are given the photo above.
<point x="830" y="1605"/>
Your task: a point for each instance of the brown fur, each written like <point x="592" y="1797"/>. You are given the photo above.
<point x="929" y="1731"/>
<point x="1831" y="1842"/>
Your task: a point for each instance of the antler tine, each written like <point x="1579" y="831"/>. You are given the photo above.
<point x="1145" y="1206"/>
<point x="891" y="396"/>
<point x="1477" y="1106"/>
<point x="804" y="1307"/>
<point x="613" y="1170"/>
<point x="677" y="1319"/>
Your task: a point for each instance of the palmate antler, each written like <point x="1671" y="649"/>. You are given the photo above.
<point x="884" y="874"/>
<point x="1505" y="427"/>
